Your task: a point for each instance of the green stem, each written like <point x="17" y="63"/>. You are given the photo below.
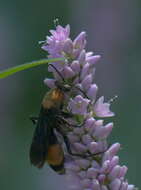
<point x="10" y="71"/>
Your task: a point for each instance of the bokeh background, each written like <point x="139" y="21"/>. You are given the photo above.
<point x="114" y="31"/>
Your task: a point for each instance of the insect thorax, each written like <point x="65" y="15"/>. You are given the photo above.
<point x="53" y="99"/>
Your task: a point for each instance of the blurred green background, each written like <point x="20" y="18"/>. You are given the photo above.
<point x="114" y="31"/>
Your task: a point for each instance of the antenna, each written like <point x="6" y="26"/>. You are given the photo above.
<point x="61" y="76"/>
<point x="57" y="71"/>
<point x="82" y="91"/>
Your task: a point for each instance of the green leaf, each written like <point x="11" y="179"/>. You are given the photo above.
<point x="7" y="72"/>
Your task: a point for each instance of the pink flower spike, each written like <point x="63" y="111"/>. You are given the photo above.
<point x="101" y="109"/>
<point x="79" y="117"/>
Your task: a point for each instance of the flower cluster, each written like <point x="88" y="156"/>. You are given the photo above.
<point x="97" y="167"/>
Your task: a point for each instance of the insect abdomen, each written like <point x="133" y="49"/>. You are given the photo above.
<point x="55" y="158"/>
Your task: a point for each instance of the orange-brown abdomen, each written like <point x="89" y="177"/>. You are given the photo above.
<point x="55" y="155"/>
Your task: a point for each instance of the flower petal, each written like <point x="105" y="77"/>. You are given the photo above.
<point x="101" y="109"/>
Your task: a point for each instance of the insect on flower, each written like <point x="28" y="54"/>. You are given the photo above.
<point x="45" y="145"/>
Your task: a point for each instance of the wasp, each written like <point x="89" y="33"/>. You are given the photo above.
<point x="45" y="146"/>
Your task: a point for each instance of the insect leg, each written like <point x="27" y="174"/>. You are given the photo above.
<point x="66" y="114"/>
<point x="61" y="76"/>
<point x="64" y="121"/>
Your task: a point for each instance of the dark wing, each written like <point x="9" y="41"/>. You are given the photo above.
<point x="39" y="146"/>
